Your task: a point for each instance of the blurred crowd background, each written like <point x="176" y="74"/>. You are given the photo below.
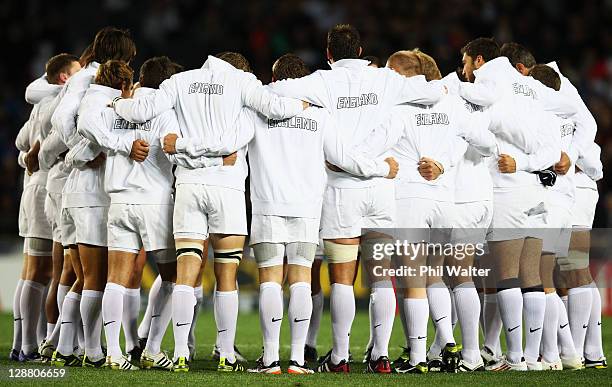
<point x="576" y="34"/>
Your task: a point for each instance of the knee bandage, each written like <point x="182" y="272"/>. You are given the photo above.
<point x="337" y="253"/>
<point x="301" y="253"/>
<point x="575" y="260"/>
<point x="269" y="254"/>
<point x="184" y="249"/>
<point x="228" y="256"/>
<point x="38" y="247"/>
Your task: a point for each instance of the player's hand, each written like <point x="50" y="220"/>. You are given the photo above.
<point x="305" y="105"/>
<point x="429" y="168"/>
<point x="31" y="158"/>
<point x="98" y="161"/>
<point x="563" y="165"/>
<point x="170" y="143"/>
<point x="506" y="164"/>
<point x="230" y="160"/>
<point x="140" y="150"/>
<point x="393" y="167"/>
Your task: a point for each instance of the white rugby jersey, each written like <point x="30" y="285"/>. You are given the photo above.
<point x="38" y="89"/>
<point x="524" y="106"/>
<point x="49" y="160"/>
<point x="591" y="169"/>
<point x="128" y="181"/>
<point x="441" y="132"/>
<point x="85" y="186"/>
<point x="586" y="127"/>
<point x="65" y="114"/>
<point x="208" y="102"/>
<point x="564" y="188"/>
<point x="359" y="97"/>
<point x="287" y="162"/>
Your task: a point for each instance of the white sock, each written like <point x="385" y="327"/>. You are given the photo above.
<point x="112" y="315"/>
<point x="161" y="313"/>
<point x="467" y="305"/>
<point x="454" y="317"/>
<point x="71" y="320"/>
<point x="370" y="324"/>
<point x="315" y="319"/>
<point x="226" y="316"/>
<point x="300" y="310"/>
<point x="417" y="313"/>
<point x="41" y="326"/>
<point x="62" y="290"/>
<point x="579" y="303"/>
<point x="31" y="299"/>
<point x="440" y="310"/>
<point x="481" y="296"/>
<point x="17" y="316"/>
<point x="493" y="323"/>
<point x="342" y="306"/>
<point x="50" y="328"/>
<point x="550" y="350"/>
<point x="270" y="319"/>
<point x="402" y="314"/>
<point x="534" y="307"/>
<point x="183" y="301"/>
<point x="80" y="339"/>
<point x="191" y="343"/>
<point x="145" y="323"/>
<point x="510" y="303"/>
<point x="382" y="301"/>
<point x="131" y="310"/>
<point x="91" y="315"/>
<point x="593" y="349"/>
<point x="564" y="335"/>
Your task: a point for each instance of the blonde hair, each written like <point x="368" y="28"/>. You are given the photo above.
<point x="114" y="73"/>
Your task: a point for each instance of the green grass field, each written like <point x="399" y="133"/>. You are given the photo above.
<point x="249" y="342"/>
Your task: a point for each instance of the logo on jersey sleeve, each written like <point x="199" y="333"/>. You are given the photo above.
<point x="431" y="119"/>
<point x="525" y="90"/>
<point x="294" y="123"/>
<point x="355" y="102"/>
<point x="121" y="124"/>
<point x="205" y="88"/>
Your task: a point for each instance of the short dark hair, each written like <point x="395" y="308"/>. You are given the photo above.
<point x="343" y="42"/>
<point x="112" y="43"/>
<point x="547" y="75"/>
<point x="235" y="59"/>
<point x="57" y="65"/>
<point x="485" y="47"/>
<point x="156" y="70"/>
<point x="373" y="60"/>
<point x="517" y="53"/>
<point x="289" y="66"/>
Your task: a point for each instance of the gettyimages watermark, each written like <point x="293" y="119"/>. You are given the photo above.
<point x="415" y="258"/>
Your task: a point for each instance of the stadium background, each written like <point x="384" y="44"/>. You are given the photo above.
<point x="578" y="35"/>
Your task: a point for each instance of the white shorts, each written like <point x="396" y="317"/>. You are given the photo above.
<point x="516" y="212"/>
<point x="472" y="220"/>
<point x="558" y="229"/>
<point x="417" y="216"/>
<point x="38" y="225"/>
<point x="283" y="229"/>
<point x="84" y="225"/>
<point x="583" y="211"/>
<point x="200" y="210"/>
<point x="346" y="211"/>
<point x="134" y="226"/>
<point x="23" y="218"/>
<point x="53" y="212"/>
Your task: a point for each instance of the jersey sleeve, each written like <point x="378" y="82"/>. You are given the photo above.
<point x="262" y="100"/>
<point x="143" y="109"/>
<point x="95" y="125"/>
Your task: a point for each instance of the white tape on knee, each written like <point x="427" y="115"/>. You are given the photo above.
<point x="301" y="253"/>
<point x="575" y="260"/>
<point x="337" y="253"/>
<point x="269" y="254"/>
<point x="184" y="249"/>
<point x="228" y="255"/>
<point x="38" y="247"/>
